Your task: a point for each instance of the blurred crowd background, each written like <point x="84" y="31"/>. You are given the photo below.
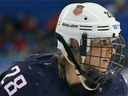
<point x="28" y="26"/>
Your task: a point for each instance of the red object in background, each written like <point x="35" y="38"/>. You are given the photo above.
<point x="20" y="43"/>
<point x="51" y="22"/>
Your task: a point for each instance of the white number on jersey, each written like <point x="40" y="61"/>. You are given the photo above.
<point x="14" y="82"/>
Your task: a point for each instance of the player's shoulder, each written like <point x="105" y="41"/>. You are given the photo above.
<point x="118" y="84"/>
<point x="35" y="59"/>
<point x="38" y="57"/>
<point x="119" y="78"/>
<point x="24" y="74"/>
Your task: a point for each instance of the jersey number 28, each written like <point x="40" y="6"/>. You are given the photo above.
<point x="14" y="83"/>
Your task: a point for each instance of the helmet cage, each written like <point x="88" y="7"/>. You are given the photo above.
<point x="116" y="63"/>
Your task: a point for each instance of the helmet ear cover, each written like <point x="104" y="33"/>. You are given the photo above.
<point x="69" y="52"/>
<point x="74" y="46"/>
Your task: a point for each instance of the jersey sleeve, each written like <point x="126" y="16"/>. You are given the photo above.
<point x="16" y="82"/>
<point x="32" y="76"/>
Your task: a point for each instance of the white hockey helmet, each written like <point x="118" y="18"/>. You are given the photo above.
<point x="93" y="19"/>
<point x="85" y="22"/>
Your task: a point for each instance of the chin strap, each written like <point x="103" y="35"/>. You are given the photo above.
<point x="85" y="86"/>
<point x="80" y="76"/>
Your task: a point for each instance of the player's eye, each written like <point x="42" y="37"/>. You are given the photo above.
<point x="104" y="43"/>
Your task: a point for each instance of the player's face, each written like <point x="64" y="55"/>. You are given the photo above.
<point x="98" y="51"/>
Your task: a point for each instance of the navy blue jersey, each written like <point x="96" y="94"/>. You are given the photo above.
<point x="37" y="75"/>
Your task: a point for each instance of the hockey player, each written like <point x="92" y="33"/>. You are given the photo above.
<point x="91" y="57"/>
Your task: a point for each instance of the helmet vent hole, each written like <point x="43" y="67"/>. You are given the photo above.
<point x="83" y="27"/>
<point x="103" y="28"/>
<point x="85" y="18"/>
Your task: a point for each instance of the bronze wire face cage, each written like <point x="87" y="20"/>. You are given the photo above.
<point x="116" y="62"/>
<point x="115" y="65"/>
